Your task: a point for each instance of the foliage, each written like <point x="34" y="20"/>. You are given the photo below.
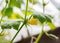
<point x="28" y="12"/>
<point x="34" y="17"/>
<point x="33" y="1"/>
<point x="7" y="25"/>
<point x="15" y="16"/>
<point x="16" y="3"/>
<point x="45" y="19"/>
<point x="7" y="11"/>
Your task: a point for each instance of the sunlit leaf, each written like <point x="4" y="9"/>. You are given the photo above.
<point x="28" y="12"/>
<point x="51" y="25"/>
<point x="16" y="3"/>
<point x="33" y="1"/>
<point x="15" y="16"/>
<point x="7" y="11"/>
<point x="2" y="20"/>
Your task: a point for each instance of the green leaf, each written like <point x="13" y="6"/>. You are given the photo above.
<point x="49" y="22"/>
<point x="48" y="18"/>
<point x="28" y="12"/>
<point x="9" y="25"/>
<point x="5" y="26"/>
<point x="33" y="1"/>
<point x="7" y="11"/>
<point x="18" y="16"/>
<point x="41" y="18"/>
<point x="15" y="25"/>
<point x="16" y="3"/>
<point x="51" y="25"/>
<point x="15" y="16"/>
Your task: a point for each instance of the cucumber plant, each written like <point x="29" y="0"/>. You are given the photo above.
<point x="32" y="20"/>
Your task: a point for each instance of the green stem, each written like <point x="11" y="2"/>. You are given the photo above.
<point x="22" y="24"/>
<point x="40" y="35"/>
<point x="2" y="17"/>
<point x="51" y="35"/>
<point x="43" y="6"/>
<point x="27" y="30"/>
<point x="26" y="8"/>
<point x="17" y="33"/>
<point x="2" y="13"/>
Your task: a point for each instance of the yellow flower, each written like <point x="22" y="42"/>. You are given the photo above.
<point x="33" y="21"/>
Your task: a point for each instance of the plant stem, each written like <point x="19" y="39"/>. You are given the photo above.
<point x="27" y="30"/>
<point x="2" y="13"/>
<point x="40" y="35"/>
<point x="26" y="8"/>
<point x="17" y="33"/>
<point x="23" y="22"/>
<point x="32" y="38"/>
<point x="43" y="6"/>
<point x="2" y="18"/>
